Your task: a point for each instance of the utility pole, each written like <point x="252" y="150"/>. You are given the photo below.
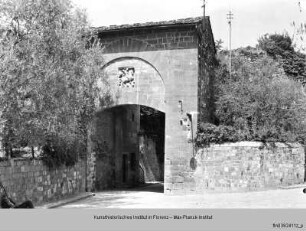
<point x="230" y="18"/>
<point x="204" y="6"/>
<point x="204" y="13"/>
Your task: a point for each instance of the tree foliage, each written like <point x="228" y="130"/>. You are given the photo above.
<point x="48" y="74"/>
<point x="300" y="28"/>
<point x="281" y="48"/>
<point x="259" y="102"/>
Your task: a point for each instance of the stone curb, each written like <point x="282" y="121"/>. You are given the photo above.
<point x="66" y="201"/>
<point x="293" y="186"/>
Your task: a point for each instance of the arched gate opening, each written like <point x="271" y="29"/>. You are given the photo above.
<point x="129" y="142"/>
<point x="129" y="136"/>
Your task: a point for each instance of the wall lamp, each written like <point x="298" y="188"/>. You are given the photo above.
<point x="180" y="106"/>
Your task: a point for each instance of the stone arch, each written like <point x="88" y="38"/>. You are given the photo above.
<point x="143" y="86"/>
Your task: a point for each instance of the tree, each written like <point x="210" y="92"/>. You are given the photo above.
<point x="258" y="102"/>
<point x="49" y="73"/>
<point x="218" y="44"/>
<point x="281" y="48"/>
<point x="300" y="27"/>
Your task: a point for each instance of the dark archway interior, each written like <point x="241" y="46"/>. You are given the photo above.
<point x="129" y="143"/>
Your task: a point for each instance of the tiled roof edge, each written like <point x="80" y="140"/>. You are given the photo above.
<point x="184" y="21"/>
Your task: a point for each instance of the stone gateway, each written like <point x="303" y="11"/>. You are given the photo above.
<point x="166" y="67"/>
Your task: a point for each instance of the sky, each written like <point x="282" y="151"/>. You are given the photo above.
<point x="252" y="18"/>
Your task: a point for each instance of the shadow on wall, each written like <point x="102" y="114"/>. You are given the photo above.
<point x="149" y="160"/>
<point x="152" y="144"/>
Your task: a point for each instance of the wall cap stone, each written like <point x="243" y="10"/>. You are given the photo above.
<point x="258" y="144"/>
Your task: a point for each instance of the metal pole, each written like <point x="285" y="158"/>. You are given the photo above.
<point x="230" y="47"/>
<point x="230" y="18"/>
<point x="204" y="5"/>
<point x="204" y="13"/>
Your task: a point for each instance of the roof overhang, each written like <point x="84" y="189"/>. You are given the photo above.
<point x="149" y="25"/>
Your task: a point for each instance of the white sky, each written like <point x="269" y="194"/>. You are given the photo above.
<point x="252" y="18"/>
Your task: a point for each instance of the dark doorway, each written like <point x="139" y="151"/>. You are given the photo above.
<point x="133" y="163"/>
<point x="125" y="168"/>
<point x="129" y="145"/>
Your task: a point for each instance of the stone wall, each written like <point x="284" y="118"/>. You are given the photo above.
<point x="149" y="160"/>
<point x="116" y="147"/>
<point x="248" y="166"/>
<point x="149" y="39"/>
<point x="206" y="81"/>
<point x="104" y="149"/>
<point x="91" y="172"/>
<point x="31" y="179"/>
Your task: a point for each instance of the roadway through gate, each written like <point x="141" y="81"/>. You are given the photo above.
<point x="150" y="196"/>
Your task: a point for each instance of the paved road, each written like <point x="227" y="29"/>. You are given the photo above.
<point x="152" y="197"/>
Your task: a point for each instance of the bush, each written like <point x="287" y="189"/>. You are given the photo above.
<point x="3" y="159"/>
<point x="257" y="103"/>
<point x="209" y="133"/>
<point x="281" y="48"/>
<point x="57" y="152"/>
